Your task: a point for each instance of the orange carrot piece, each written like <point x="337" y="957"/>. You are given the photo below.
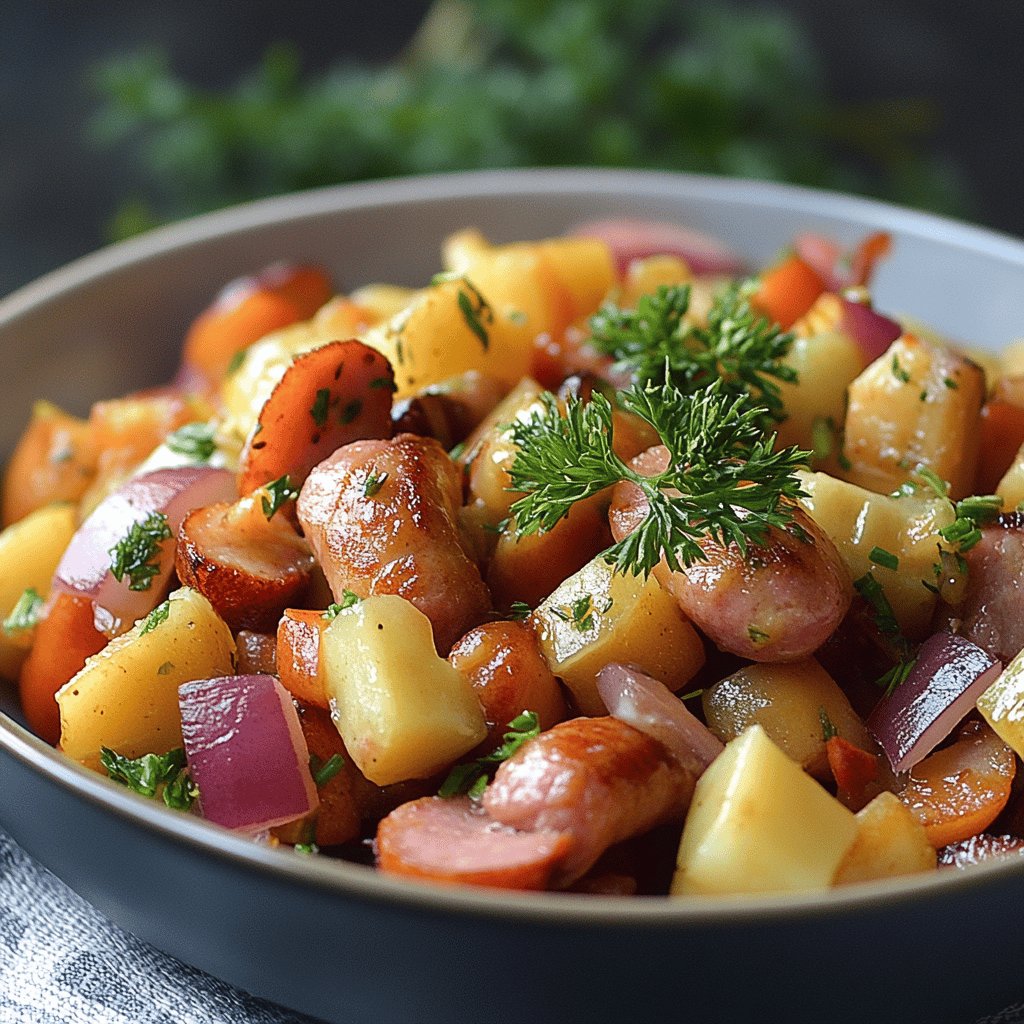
<point x="298" y="655"/>
<point x="855" y="772"/>
<point x="871" y="250"/>
<point x="1002" y="434"/>
<point x="787" y="290"/>
<point x="307" y="288"/>
<point x="63" y="640"/>
<point x="327" y="398"/>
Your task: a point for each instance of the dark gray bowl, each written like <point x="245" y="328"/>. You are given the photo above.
<point x="338" y="941"/>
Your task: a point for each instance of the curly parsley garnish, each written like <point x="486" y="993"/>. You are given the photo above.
<point x="739" y="346"/>
<point x="471" y="778"/>
<point x="724" y="481"/>
<point x="151" y="774"/>
<point x="136" y="554"/>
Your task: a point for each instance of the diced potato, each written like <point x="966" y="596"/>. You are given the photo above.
<point x="621" y="618"/>
<point x="916" y="405"/>
<point x="29" y="552"/>
<point x="825" y="364"/>
<point x="1011" y="359"/>
<point x="403" y="711"/>
<point x="789" y="701"/>
<point x="890" y="841"/>
<point x="383" y="300"/>
<point x="126" y="697"/>
<point x="759" y="823"/>
<point x="1002" y="705"/>
<point x="859" y="521"/>
<point x="646" y="276"/>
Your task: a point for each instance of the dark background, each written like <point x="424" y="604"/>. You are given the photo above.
<point x="58" y="191"/>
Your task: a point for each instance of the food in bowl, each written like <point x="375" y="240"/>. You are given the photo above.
<point x="592" y="565"/>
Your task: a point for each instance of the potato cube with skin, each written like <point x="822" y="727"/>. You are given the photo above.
<point x="599" y="616"/>
<point x="402" y="710"/>
<point x="759" y="823"/>
<point x="30" y="550"/>
<point x="1011" y="487"/>
<point x="126" y="697"/>
<point x="1002" y="705"/>
<point x="792" y="702"/>
<point x="916" y="405"/>
<point x="890" y="841"/>
<point x="862" y="523"/>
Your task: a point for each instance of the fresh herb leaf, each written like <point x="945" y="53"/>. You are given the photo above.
<point x="194" y="441"/>
<point x="26" y="612"/>
<point x="950" y="383"/>
<point x="896" y="676"/>
<point x="307" y="849"/>
<point x="472" y="777"/>
<point x="323" y="772"/>
<point x="332" y="611"/>
<point x="476" y="311"/>
<point x="881" y="610"/>
<point x="899" y="372"/>
<point x="828" y="730"/>
<point x="321" y="405"/>
<point x="136" y="554"/>
<point x="374" y="482"/>
<point x="384" y="383"/>
<point x="277" y="494"/>
<point x="884" y="558"/>
<point x="146" y="775"/>
<point x="724" y="481"/>
<point x="519" y="611"/>
<point x="456" y="453"/>
<point x="757" y="636"/>
<point x="351" y="411"/>
<point x="235" y="363"/>
<point x="155" y="617"/>
<point x="692" y="694"/>
<point x="739" y="346"/>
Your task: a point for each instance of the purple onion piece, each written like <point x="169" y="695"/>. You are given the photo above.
<point x="873" y="332"/>
<point x="948" y="677"/>
<point x="652" y="708"/>
<point x="246" y="752"/>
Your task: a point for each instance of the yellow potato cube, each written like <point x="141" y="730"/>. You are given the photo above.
<point x="598" y="616"/>
<point x="890" y="841"/>
<point x="403" y="711"/>
<point x="1002" y="705"/>
<point x="126" y="697"/>
<point x="29" y="552"/>
<point x="759" y="823"/>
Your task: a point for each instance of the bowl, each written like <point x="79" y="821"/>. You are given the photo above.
<point x="337" y="940"/>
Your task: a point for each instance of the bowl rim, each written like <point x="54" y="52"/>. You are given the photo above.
<point x="344" y="879"/>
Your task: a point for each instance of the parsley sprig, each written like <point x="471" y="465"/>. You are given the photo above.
<point x="152" y="774"/>
<point x="724" y="480"/>
<point x="137" y="554"/>
<point x="472" y="777"/>
<point x="194" y="441"/>
<point x="739" y="346"/>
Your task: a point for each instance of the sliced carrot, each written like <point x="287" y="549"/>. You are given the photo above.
<point x="960" y="790"/>
<point x="855" y="772"/>
<point x="298" y="655"/>
<point x="452" y="841"/>
<point x="787" y="290"/>
<point x="55" y="460"/>
<point x="63" y="640"/>
<point x="327" y="398"/>
<point x="1002" y="434"/>
<point x="307" y="288"/>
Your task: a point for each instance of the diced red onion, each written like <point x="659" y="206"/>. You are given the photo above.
<point x="948" y="677"/>
<point x="651" y="707"/>
<point x="873" y="332"/>
<point x="85" y="567"/>
<point x="631" y="239"/>
<point x="246" y="752"/>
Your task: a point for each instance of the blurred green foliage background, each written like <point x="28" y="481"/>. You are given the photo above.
<point x="712" y="88"/>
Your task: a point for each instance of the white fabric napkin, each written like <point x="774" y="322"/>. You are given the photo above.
<point x="62" y="962"/>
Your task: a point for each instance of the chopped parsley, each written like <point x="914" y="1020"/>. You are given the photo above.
<point x="580" y="614"/>
<point x="884" y="558"/>
<point x="194" y="441"/>
<point x="471" y="778"/>
<point x="899" y="372"/>
<point x="155" y="618"/>
<point x="278" y="493"/>
<point x="828" y="730"/>
<point x="348" y="599"/>
<point x="757" y="636"/>
<point x="26" y="612"/>
<point x="350" y="411"/>
<point x="519" y="611"/>
<point x="324" y="771"/>
<point x="137" y="554"/>
<point x="374" y="482"/>
<point x="321" y="405"/>
<point x="151" y="774"/>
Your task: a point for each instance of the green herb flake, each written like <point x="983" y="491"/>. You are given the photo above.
<point x="351" y="411"/>
<point x="828" y="730"/>
<point x="757" y="636"/>
<point x="321" y="405"/>
<point x="277" y="494"/>
<point x="235" y="363"/>
<point x="194" y="441"/>
<point x="165" y="668"/>
<point x="384" y="384"/>
<point x="884" y="558"/>
<point x="323" y="773"/>
<point x="149" y="774"/>
<point x="136" y="554"/>
<point x="457" y="452"/>
<point x="692" y="694"/>
<point x="348" y="599"/>
<point x="374" y="482"/>
<point x="306" y="849"/>
<point x="899" y="372"/>
<point x="871" y="590"/>
<point x="519" y="611"/>
<point x="472" y="777"/>
<point x="156" y="617"/>
<point x="823" y="437"/>
<point x="26" y="612"/>
<point x="476" y="311"/>
<point x="896" y="676"/>
<point x="950" y="383"/>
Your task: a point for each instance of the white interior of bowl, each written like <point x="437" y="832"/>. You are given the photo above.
<point x="114" y="320"/>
